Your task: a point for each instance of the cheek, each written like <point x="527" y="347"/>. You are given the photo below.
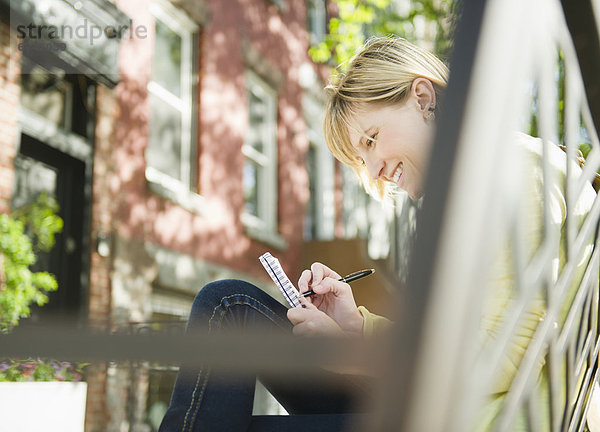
<point x="418" y="145"/>
<point x="426" y="145"/>
<point x="397" y="147"/>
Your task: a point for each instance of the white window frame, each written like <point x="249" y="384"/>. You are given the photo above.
<point x="317" y="19"/>
<point x="180" y="190"/>
<point x="355" y="205"/>
<point x="325" y="169"/>
<point x="264" y="225"/>
<point x="281" y="4"/>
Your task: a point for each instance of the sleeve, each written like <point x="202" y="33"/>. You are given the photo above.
<point x="373" y="324"/>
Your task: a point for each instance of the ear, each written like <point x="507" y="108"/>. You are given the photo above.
<point x="424" y="94"/>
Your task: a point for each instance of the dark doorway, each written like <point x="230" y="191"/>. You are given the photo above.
<point x="40" y="168"/>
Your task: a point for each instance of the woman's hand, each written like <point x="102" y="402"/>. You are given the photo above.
<point x="310" y="321"/>
<point x="333" y="298"/>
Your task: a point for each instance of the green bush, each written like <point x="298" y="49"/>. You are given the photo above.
<point x="24" y="233"/>
<point x="40" y="370"/>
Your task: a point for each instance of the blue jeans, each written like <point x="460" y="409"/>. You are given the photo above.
<point x="205" y="400"/>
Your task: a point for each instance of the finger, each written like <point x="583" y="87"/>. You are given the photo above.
<point x="304" y="281"/>
<point x="297" y="315"/>
<point x="334" y="286"/>
<point x="317" y="324"/>
<point x="321" y="271"/>
<point x="307" y="328"/>
<point x="317" y="272"/>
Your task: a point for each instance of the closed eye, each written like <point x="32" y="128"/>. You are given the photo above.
<point x="372" y="140"/>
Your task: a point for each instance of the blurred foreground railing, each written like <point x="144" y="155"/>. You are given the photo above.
<point x="219" y="351"/>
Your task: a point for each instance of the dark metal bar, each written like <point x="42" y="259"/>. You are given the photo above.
<point x="581" y="22"/>
<point x="395" y="401"/>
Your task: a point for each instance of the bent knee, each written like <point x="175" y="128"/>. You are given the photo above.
<point x="217" y="290"/>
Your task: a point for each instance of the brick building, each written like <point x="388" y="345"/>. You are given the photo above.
<point x="179" y="152"/>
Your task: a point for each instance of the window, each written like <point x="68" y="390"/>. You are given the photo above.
<point x="259" y="180"/>
<point x="311" y="217"/>
<point x="160" y="377"/>
<point x="171" y="154"/>
<point x="317" y="20"/>
<point x="365" y="217"/>
<point x="355" y="204"/>
<point x="64" y="100"/>
<point x="281" y="4"/>
<point x="319" y="219"/>
<point x="320" y="213"/>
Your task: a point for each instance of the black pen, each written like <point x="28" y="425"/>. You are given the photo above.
<point x="351" y="277"/>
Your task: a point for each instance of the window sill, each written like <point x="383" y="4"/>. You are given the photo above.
<point x="175" y="191"/>
<point x="255" y="229"/>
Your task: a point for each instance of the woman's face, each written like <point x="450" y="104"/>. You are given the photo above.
<point x="399" y="144"/>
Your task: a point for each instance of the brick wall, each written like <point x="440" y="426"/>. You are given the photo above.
<point x="97" y="412"/>
<point x="9" y="101"/>
<point x="218" y="236"/>
<point x="279" y="39"/>
<point x="102" y="208"/>
<point x="125" y="207"/>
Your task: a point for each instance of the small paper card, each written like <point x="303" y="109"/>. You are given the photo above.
<point x="273" y="268"/>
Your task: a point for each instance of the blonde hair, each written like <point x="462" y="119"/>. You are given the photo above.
<point x="381" y="73"/>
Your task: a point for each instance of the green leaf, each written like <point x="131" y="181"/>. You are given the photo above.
<point x="43" y="372"/>
<point x="360" y="19"/>
<point x="28" y="230"/>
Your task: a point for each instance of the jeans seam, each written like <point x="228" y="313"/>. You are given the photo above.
<point x="226" y="306"/>
<point x="244" y="303"/>
<point x="199" y="401"/>
<point x="192" y="402"/>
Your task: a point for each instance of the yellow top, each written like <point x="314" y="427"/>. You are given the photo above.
<point x="373" y="324"/>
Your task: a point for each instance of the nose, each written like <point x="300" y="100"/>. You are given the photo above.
<point x="375" y="168"/>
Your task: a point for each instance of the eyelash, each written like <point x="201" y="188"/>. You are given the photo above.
<point x="369" y="143"/>
<point x="371" y="140"/>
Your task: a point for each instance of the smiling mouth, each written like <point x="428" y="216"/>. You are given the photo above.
<point x="397" y="173"/>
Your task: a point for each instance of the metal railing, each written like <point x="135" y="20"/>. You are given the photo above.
<point x="507" y="65"/>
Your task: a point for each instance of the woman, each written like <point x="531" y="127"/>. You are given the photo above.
<point x="379" y="121"/>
